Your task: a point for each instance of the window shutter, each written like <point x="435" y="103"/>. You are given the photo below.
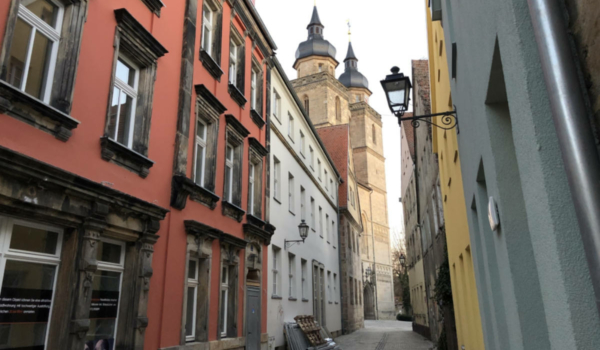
<point x="217" y="32"/>
<point x="259" y="86"/>
<point x="241" y="71"/>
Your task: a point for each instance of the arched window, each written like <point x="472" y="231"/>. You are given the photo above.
<point x="306" y="104"/>
<point x="374" y="134"/>
<point x="338" y="109"/>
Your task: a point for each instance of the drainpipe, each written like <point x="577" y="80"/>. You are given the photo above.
<point x="576" y="141"/>
<point x="342" y="294"/>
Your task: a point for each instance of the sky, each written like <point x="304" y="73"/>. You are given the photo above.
<point x="390" y="33"/>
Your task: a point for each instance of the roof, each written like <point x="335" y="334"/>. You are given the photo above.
<point x="350" y="55"/>
<point x="337" y="140"/>
<point x="351" y="76"/>
<point x="304" y="114"/>
<point x="315" y="20"/>
<point x="315" y="45"/>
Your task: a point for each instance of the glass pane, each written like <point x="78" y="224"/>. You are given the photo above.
<point x="24" y="325"/>
<point x="104" y="310"/>
<point x="189" y="313"/>
<point x="192" y="269"/>
<point x="113" y="114"/>
<point x="224" y="275"/>
<point x="109" y="252"/>
<point x="201" y="130"/>
<point x="125" y="111"/>
<point x="230" y="153"/>
<point x="126" y="73"/>
<point x="227" y="190"/>
<point x="223" y="310"/>
<point x="18" y="54"/>
<point x="33" y="239"/>
<point x="44" y="9"/>
<point x="199" y="164"/>
<point x="38" y="66"/>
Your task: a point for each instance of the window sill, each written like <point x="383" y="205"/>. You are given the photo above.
<point x="321" y="236"/>
<point x="302" y="154"/>
<point x="336" y="303"/>
<point x="211" y="66"/>
<point x="291" y="212"/>
<point x="30" y="110"/>
<point x="276" y="200"/>
<point x="312" y="168"/>
<point x="313" y="230"/>
<point x="305" y="300"/>
<point x="330" y="302"/>
<point x="291" y="139"/>
<point x="233" y="211"/>
<point x="277" y="297"/>
<point x="131" y="160"/>
<point x="237" y="95"/>
<point x="292" y="299"/>
<point x="182" y="187"/>
<point x="257" y="118"/>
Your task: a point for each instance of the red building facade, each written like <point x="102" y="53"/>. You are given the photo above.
<point x="133" y="139"/>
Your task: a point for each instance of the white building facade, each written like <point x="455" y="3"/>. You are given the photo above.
<point x="304" y="278"/>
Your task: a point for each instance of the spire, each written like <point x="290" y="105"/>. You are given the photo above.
<point x="350" y="55"/>
<point x="315" y="20"/>
<point x="351" y="76"/>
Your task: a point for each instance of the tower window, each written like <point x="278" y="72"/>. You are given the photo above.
<point x="306" y="104"/>
<point x="338" y="112"/>
<point x="374" y="134"/>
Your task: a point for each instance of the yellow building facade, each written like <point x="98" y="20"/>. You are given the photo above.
<point x="445" y="145"/>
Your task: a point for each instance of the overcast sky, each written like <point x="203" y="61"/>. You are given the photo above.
<point x="385" y="33"/>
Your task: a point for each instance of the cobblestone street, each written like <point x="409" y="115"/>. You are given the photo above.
<point x="384" y="335"/>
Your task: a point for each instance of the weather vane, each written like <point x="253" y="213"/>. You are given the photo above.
<point x="349" y="30"/>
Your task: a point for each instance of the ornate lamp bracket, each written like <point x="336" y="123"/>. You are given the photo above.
<point x="448" y="120"/>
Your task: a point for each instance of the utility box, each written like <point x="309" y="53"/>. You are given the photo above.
<point x="436" y="9"/>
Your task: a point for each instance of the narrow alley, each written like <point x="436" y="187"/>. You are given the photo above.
<point x="384" y="335"/>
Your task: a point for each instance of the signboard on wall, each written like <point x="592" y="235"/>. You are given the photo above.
<point x="19" y="305"/>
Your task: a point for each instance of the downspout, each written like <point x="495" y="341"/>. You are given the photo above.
<point x="339" y="245"/>
<point x="374" y="257"/>
<point x="576" y="141"/>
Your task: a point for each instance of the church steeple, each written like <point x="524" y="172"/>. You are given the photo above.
<point x="316" y="48"/>
<point x="351" y="77"/>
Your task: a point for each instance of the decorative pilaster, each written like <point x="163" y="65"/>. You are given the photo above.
<point x="143" y="286"/>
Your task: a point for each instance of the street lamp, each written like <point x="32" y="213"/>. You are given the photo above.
<point x="397" y="90"/>
<point x="303" y="230"/>
<point x="402" y="259"/>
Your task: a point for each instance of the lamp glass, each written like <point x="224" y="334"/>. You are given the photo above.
<point x="303" y="230"/>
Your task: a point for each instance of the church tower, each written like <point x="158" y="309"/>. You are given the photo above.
<point x="331" y="102"/>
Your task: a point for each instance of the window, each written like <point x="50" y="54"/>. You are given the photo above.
<point x="313" y="223"/>
<point x="335" y="297"/>
<point x="291" y="193"/>
<point x="276" y="104"/>
<point x="327" y="227"/>
<point x="237" y="60"/>
<point x="302" y="204"/>
<point x="192" y="297"/>
<point x="319" y="169"/>
<point x="312" y="157"/>
<point x="321" y="222"/>
<point x="356" y="291"/>
<point x="351" y="289"/>
<point x="277" y="178"/>
<point x="291" y="127"/>
<point x="254" y="89"/>
<point x="306" y="105"/>
<point x="331" y="187"/>
<point x="208" y="18"/>
<point x="210" y="53"/>
<point x="374" y="134"/>
<point x="32" y="59"/>
<point x="122" y="115"/>
<point x="292" y="280"/>
<point x="302" y="144"/>
<point x="106" y="291"/>
<point x="326" y="184"/>
<point x="228" y="189"/>
<point x="303" y="271"/>
<point x="360" y="290"/>
<point x="255" y="177"/>
<point x="333" y="232"/>
<point x="233" y="62"/>
<point x="338" y="109"/>
<point x="275" y="270"/>
<point x="224" y="299"/>
<point x="29" y="256"/>
<point x="200" y="150"/>
<point x="320" y="67"/>
<point x="251" y="171"/>
<point x="351" y="197"/>
<point x="329" y="292"/>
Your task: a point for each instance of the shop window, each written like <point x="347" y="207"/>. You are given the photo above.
<point x="30" y="257"/>
<point x="126" y="135"/>
<point x="106" y="295"/>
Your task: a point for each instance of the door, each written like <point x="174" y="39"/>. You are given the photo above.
<point x="369" y="302"/>
<point x="253" y="321"/>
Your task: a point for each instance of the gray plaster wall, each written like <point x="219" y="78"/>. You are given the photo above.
<point x="532" y="278"/>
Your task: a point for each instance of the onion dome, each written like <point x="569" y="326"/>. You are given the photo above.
<point x="351" y="77"/>
<point x="315" y="45"/>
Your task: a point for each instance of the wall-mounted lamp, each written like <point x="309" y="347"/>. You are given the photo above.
<point x="303" y="230"/>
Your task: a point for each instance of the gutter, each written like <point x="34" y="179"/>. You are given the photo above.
<point x="571" y="120"/>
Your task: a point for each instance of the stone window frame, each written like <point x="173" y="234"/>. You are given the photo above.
<point x="212" y="60"/>
<point x="135" y="43"/>
<point x="292" y="276"/>
<point x="53" y="117"/>
<point x="236" y="88"/>
<point x="235" y="135"/>
<point x="256" y="157"/>
<point x="154" y="5"/>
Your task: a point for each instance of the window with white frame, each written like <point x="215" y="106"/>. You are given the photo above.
<point x="191" y="302"/>
<point x="254" y="88"/>
<point x="291" y="275"/>
<point x="313" y="224"/>
<point x="251" y="170"/>
<point x="291" y="127"/>
<point x="312" y="157"/>
<point x="335" y="297"/>
<point x="326" y="183"/>
<point x="331" y="187"/>
<point x="275" y="270"/>
<point x="208" y="17"/>
<point x="321" y="222"/>
<point x="124" y="100"/>
<point x="291" y="192"/>
<point x="319" y="169"/>
<point x="327" y="227"/>
<point x="333" y="232"/>
<point x="32" y="59"/>
<point x="29" y="261"/>
<point x="233" y="62"/>
<point x="276" y="104"/>
<point x="329" y="292"/>
<point x="106" y="292"/>
<point x="302" y="144"/>
<point x="276" y="178"/>
<point x="228" y="189"/>
<point x="303" y="272"/>
<point x="224" y="299"/>
<point x="302" y="204"/>
<point x="200" y="152"/>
